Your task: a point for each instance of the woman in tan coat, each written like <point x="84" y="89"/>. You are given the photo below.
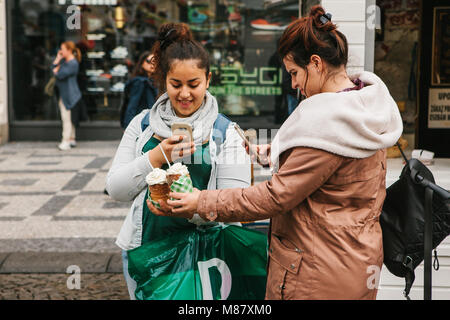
<point x="329" y="163"/>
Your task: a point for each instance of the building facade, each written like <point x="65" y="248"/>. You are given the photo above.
<point x="406" y="42"/>
<point x="4" y="129"/>
<point x="240" y="36"/>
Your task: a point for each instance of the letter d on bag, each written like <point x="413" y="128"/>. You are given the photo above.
<point x="225" y="288"/>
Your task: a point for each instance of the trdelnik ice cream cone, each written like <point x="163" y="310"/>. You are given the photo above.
<point x="176" y="171"/>
<point x="158" y="186"/>
<point x="179" y="179"/>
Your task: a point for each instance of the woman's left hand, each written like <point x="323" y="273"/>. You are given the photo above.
<point x="184" y="205"/>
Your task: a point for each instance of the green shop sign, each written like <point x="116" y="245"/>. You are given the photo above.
<point x="263" y="81"/>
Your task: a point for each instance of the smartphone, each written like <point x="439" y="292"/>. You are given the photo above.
<point x="182" y="129"/>
<point x="247" y="142"/>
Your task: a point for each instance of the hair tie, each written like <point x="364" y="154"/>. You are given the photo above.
<point x="325" y="18"/>
<point x="164" y="38"/>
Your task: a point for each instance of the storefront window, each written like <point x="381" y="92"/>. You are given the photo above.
<point x="241" y="37"/>
<point x="441" y="47"/>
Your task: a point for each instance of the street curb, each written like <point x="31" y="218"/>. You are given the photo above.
<point x="59" y="262"/>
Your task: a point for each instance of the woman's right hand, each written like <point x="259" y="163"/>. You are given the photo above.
<point x="58" y="58"/>
<point x="263" y="151"/>
<point x="174" y="148"/>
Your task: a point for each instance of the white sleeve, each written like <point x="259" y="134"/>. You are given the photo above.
<point x="233" y="163"/>
<point x="126" y="177"/>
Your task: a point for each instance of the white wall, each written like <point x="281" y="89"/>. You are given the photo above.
<point x="391" y="287"/>
<point x="3" y="76"/>
<point x="350" y="17"/>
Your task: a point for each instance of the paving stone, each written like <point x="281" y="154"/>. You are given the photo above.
<point x="3" y="256"/>
<point x="19" y="182"/>
<point x="98" y="163"/>
<point x="115" y="264"/>
<point x="79" y="181"/>
<point x="50" y="262"/>
<point x="24" y="294"/>
<point x="43" y="163"/>
<point x="54" y="287"/>
<point x="99" y="245"/>
<point x="53" y="206"/>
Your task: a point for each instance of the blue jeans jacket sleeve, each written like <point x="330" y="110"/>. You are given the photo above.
<point x="136" y="90"/>
<point x="67" y="70"/>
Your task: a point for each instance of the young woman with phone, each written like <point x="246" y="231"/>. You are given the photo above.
<point x="329" y="163"/>
<point x="65" y="68"/>
<point x="182" y="73"/>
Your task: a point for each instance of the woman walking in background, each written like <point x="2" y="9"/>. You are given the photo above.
<point x="65" y="68"/>
<point x="140" y="92"/>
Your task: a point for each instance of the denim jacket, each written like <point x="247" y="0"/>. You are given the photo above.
<point x="142" y="95"/>
<point x="126" y="177"/>
<point x="67" y="83"/>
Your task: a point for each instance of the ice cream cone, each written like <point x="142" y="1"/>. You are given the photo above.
<point x="159" y="192"/>
<point x="171" y="178"/>
<point x="158" y="186"/>
<point x="175" y="172"/>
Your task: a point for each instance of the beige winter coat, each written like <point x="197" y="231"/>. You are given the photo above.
<point x="325" y="197"/>
<point x="325" y="231"/>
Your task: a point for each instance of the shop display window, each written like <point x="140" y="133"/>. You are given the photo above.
<point x="241" y="37"/>
<point x="441" y="47"/>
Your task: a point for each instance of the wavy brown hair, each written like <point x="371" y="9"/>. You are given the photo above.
<point x="71" y="46"/>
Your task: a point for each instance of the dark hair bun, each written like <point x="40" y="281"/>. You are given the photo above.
<point x="176" y="42"/>
<point x="321" y="20"/>
<point x="174" y="32"/>
<point x="315" y="34"/>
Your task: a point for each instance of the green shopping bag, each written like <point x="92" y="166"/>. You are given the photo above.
<point x="214" y="263"/>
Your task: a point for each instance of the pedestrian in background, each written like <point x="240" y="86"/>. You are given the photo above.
<point x="65" y="68"/>
<point x="140" y="92"/>
<point x="329" y="162"/>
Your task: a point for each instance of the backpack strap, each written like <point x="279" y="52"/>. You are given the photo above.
<point x="219" y="129"/>
<point x="428" y="244"/>
<point x="410" y="276"/>
<point x="145" y="122"/>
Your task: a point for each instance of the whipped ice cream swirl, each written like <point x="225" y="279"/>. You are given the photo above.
<point x="178" y="169"/>
<point x="157" y="176"/>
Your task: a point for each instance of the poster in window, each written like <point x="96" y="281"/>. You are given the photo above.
<point x="439" y="108"/>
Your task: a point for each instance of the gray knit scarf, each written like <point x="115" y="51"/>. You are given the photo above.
<point x="162" y="116"/>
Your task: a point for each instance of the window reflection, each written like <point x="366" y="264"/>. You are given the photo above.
<point x="241" y="37"/>
<point x="441" y="47"/>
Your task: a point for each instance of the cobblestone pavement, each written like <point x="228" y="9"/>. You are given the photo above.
<point x="108" y="286"/>
<point x="47" y="196"/>
<point x="53" y="213"/>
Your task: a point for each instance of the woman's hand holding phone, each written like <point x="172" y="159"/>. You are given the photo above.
<point x="258" y="153"/>
<point x="263" y="152"/>
<point x="174" y="148"/>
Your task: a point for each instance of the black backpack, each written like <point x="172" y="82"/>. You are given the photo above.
<point x="124" y="104"/>
<point x="414" y="221"/>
